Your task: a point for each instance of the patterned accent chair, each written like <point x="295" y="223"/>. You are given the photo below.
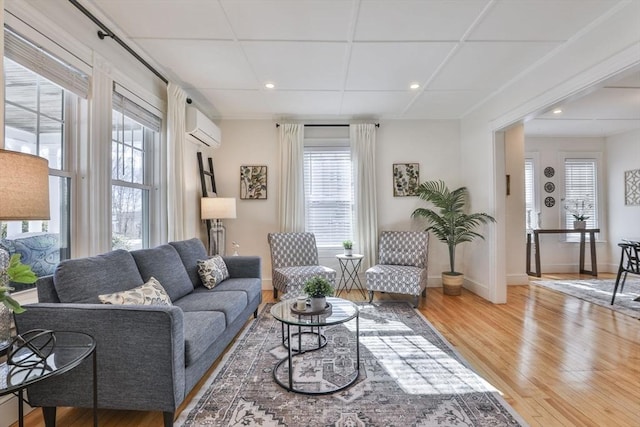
<point x="294" y="259"/>
<point x="41" y="251"/>
<point x="402" y="264"/>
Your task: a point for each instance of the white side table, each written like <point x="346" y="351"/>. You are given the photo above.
<point x="349" y="266"/>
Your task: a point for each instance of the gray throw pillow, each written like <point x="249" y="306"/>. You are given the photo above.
<point x="212" y="271"/>
<point x="151" y="293"/>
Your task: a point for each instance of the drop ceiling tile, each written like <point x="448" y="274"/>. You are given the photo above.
<point x="538" y="20"/>
<point x="377" y="104"/>
<point x="416" y="19"/>
<point x="289" y="20"/>
<point x="203" y="63"/>
<point x="394" y="66"/>
<point x="168" y="18"/>
<point x="444" y="105"/>
<point x="298" y="65"/>
<point x="238" y="103"/>
<point x="302" y="103"/>
<point x="488" y="65"/>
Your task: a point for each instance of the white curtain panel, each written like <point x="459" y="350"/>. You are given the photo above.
<point x="291" y="205"/>
<point x="363" y="156"/>
<point x="176" y="98"/>
<point x="95" y="214"/>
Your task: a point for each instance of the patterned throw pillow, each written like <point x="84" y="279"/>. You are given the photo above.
<point x="151" y="293"/>
<point x="212" y="271"/>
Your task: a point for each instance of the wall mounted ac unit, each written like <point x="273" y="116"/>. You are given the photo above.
<point x="202" y="128"/>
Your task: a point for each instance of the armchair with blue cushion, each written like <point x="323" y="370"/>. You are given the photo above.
<point x="40" y="251"/>
<point x="402" y="264"/>
<point x="294" y="260"/>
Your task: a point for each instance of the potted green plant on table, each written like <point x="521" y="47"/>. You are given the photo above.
<point x="14" y="272"/>
<point x="348" y="247"/>
<point x="318" y="288"/>
<point x="450" y="224"/>
<point x="579" y="208"/>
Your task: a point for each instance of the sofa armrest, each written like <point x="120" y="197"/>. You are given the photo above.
<point x="139" y="349"/>
<point x="244" y="266"/>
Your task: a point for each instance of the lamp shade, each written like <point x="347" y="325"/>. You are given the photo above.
<point x="217" y="207"/>
<point x="24" y="186"/>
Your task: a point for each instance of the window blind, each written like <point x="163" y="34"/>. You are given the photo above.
<point x="328" y="194"/>
<point x="580" y="177"/>
<point x="136" y="112"/>
<point x="36" y="59"/>
<point x="529" y="192"/>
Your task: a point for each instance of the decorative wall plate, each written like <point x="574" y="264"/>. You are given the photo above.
<point x="549" y="202"/>
<point x="549" y="171"/>
<point x="549" y="187"/>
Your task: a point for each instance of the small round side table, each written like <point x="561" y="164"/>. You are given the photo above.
<point x="349" y="266"/>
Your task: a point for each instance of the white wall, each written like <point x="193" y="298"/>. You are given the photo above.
<point x="557" y="255"/>
<point x="432" y="144"/>
<point x="609" y="47"/>
<point x="515" y="206"/>
<point x="623" y="154"/>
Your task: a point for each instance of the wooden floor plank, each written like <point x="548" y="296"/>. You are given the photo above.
<point x="558" y="360"/>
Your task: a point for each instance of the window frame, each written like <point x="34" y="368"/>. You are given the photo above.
<point x="534" y="158"/>
<point x="328" y="143"/>
<point x="598" y="200"/>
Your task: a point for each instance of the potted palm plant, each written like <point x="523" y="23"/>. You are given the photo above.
<point x="318" y="288"/>
<point x="17" y="272"/>
<point x="450" y="224"/>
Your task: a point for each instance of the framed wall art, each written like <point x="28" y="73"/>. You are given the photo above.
<point x="253" y="182"/>
<point x="406" y="179"/>
<point x="632" y="187"/>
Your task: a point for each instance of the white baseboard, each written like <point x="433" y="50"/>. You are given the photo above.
<point x="517" y="279"/>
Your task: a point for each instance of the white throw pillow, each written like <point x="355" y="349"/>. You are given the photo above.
<point x="151" y="293"/>
<point x="212" y="271"/>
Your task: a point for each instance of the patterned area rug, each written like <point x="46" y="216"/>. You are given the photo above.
<point x="409" y="376"/>
<point x="600" y="292"/>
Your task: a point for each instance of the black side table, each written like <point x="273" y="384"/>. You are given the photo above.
<point x="349" y="266"/>
<point x="45" y="354"/>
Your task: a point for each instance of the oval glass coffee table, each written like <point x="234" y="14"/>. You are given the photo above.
<point x="304" y="333"/>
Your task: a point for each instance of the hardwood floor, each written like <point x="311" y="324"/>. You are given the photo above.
<point x="558" y="360"/>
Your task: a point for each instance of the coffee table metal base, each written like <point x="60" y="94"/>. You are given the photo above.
<point x="293" y="352"/>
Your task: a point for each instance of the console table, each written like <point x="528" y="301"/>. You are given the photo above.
<point x="592" y="245"/>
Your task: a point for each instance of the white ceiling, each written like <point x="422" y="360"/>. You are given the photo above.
<point x="356" y="58"/>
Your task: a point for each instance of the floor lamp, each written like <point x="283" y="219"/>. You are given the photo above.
<point x="24" y="195"/>
<point x="217" y="209"/>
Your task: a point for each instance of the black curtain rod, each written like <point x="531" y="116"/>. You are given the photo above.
<point x="106" y="32"/>
<point x="328" y="125"/>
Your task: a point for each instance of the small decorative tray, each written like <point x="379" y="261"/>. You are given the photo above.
<point x="308" y="312"/>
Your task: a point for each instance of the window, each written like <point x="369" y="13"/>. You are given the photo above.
<point x="530" y="194"/>
<point x="135" y="133"/>
<point x="581" y="189"/>
<point x="328" y="191"/>
<point x="43" y="97"/>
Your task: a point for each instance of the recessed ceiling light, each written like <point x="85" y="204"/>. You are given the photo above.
<point x="557" y="111"/>
<point x="269" y="85"/>
<point x="414" y="86"/>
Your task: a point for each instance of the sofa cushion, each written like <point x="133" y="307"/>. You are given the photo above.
<point x="190" y="252"/>
<point x="252" y="287"/>
<point x="201" y="329"/>
<point x="81" y="280"/>
<point x="164" y="263"/>
<point x="151" y="293"/>
<point x="231" y="303"/>
<point x="212" y="271"/>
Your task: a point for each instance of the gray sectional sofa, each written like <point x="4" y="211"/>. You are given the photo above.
<point x="149" y="357"/>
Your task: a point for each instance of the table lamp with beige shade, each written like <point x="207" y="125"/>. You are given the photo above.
<point x="24" y="195"/>
<point x="217" y="209"/>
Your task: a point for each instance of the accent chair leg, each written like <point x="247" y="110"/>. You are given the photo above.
<point x="255" y="314"/>
<point x="49" y="415"/>
<point x="424" y="292"/>
<point x="370" y="296"/>
<point x="168" y="418"/>
<point x="416" y="301"/>
<point x="275" y="293"/>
